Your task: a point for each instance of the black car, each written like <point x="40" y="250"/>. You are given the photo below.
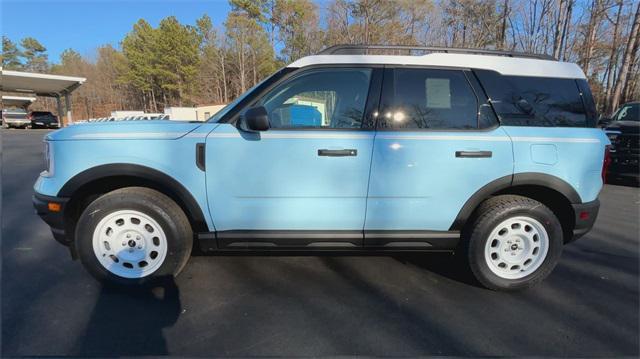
<point x="43" y="119"/>
<point x="623" y="129"/>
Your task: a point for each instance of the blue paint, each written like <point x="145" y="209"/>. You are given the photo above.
<point x="258" y="181"/>
<point x="276" y="180"/>
<point x="418" y="183"/>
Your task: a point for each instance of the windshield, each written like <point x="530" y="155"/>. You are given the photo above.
<point x="218" y="115"/>
<point x="628" y="113"/>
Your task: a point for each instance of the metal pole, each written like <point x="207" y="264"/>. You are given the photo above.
<point x="67" y="99"/>
<point x="59" y="103"/>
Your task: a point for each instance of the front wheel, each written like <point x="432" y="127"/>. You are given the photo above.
<point x="132" y="236"/>
<point x="514" y="243"/>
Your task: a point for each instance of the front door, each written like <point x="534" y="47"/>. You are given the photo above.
<point x="302" y="183"/>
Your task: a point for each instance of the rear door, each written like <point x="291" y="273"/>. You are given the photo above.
<point x="302" y="183"/>
<point x="437" y="143"/>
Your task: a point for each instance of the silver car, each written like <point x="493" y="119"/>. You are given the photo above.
<point x="17" y="118"/>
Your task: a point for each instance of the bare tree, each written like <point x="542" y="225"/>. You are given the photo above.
<point x="613" y="57"/>
<point x="627" y="60"/>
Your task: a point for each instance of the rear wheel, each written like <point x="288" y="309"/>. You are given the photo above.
<point x="132" y="236"/>
<point x="514" y="243"/>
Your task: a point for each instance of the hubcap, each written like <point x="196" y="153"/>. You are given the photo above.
<point x="129" y="244"/>
<point x="516" y="247"/>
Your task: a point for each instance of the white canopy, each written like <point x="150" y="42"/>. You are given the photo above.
<point x="42" y="85"/>
<point x="17" y="101"/>
<point x="38" y="84"/>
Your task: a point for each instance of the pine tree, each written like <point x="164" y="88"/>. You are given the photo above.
<point x="177" y="59"/>
<point x="35" y="55"/>
<point x="138" y="48"/>
<point x="10" y="55"/>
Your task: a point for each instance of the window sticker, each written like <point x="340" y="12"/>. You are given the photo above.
<point x="438" y="93"/>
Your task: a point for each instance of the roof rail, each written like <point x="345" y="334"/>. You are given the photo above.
<point x="364" y="50"/>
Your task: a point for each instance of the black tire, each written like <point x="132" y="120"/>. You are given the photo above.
<point x="490" y="214"/>
<point x="159" y="207"/>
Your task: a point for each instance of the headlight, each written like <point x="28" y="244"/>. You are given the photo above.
<point x="48" y="159"/>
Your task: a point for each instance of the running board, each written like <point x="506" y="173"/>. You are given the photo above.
<point x="376" y="240"/>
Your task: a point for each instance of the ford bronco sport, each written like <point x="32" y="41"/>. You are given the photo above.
<point x="493" y="155"/>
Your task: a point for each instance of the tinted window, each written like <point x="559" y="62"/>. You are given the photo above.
<point x="628" y="113"/>
<point x="535" y="101"/>
<point x="589" y="104"/>
<point x="431" y="99"/>
<point x="323" y="98"/>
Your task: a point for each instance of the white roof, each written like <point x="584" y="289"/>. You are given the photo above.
<point x="39" y="84"/>
<point x="516" y="66"/>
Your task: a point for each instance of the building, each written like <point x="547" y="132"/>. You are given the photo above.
<point x="200" y="113"/>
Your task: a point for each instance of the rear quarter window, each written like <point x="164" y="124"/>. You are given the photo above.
<point x="538" y="101"/>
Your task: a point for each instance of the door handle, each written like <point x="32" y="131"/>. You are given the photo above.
<point x="338" y="153"/>
<point x="474" y="154"/>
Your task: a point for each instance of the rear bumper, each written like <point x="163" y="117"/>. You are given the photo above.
<point x="45" y="124"/>
<point x="585" y="217"/>
<point x="17" y="122"/>
<point x="55" y="220"/>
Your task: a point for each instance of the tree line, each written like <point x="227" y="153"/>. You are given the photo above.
<point x="176" y="64"/>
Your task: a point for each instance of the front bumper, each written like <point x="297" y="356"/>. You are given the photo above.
<point x="55" y="219"/>
<point x="585" y="217"/>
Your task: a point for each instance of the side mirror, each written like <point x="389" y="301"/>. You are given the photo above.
<point x="254" y="119"/>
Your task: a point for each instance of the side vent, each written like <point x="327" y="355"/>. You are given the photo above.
<point x="200" y="156"/>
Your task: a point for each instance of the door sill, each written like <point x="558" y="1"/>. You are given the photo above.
<point x="313" y="241"/>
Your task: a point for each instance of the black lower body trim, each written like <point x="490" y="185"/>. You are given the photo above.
<point x="586" y="214"/>
<point x="424" y="240"/>
<point x="312" y="241"/>
<point x="55" y="220"/>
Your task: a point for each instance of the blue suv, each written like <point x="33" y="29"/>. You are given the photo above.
<point x="493" y="155"/>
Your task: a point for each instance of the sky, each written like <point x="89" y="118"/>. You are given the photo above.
<point x="85" y="25"/>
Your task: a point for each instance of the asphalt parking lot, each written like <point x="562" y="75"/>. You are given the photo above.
<point x="313" y="306"/>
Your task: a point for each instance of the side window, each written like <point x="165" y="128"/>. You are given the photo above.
<point x="431" y="99"/>
<point x="535" y="101"/>
<point x="322" y="98"/>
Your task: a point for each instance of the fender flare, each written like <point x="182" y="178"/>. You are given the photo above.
<point x="187" y="201"/>
<point x="517" y="179"/>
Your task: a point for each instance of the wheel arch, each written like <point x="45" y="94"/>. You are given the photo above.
<point x="550" y="190"/>
<point x="91" y="183"/>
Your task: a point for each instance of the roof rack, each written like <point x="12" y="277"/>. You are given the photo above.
<point x="365" y="49"/>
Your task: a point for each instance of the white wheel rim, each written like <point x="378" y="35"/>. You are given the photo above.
<point x="516" y="247"/>
<point x="129" y="244"/>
